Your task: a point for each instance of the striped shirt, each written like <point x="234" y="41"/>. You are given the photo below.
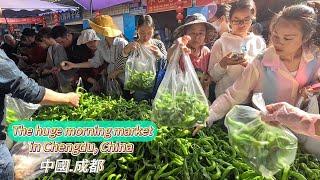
<point x="109" y="54"/>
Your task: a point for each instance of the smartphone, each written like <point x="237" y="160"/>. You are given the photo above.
<point x="237" y="56"/>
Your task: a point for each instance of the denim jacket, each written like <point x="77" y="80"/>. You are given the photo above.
<point x="14" y="81"/>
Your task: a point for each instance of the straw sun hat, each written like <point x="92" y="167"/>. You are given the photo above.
<point x="103" y="24"/>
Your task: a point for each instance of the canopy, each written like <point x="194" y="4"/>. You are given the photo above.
<point x="31" y="5"/>
<point x="31" y="8"/>
<point x="99" y="4"/>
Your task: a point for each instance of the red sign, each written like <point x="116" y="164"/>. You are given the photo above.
<point x="203" y="2"/>
<point x="33" y="20"/>
<point x="209" y="2"/>
<point x="154" y="6"/>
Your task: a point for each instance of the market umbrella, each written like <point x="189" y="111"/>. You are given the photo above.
<point x="99" y="4"/>
<point x="27" y="8"/>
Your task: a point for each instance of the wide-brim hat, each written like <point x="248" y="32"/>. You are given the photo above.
<point x="191" y="20"/>
<point x="103" y="24"/>
<point x="87" y="35"/>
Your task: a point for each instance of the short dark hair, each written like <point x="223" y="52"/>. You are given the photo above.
<point x="222" y="10"/>
<point x="28" y="32"/>
<point x="145" y="20"/>
<point x="243" y="4"/>
<point x="23" y="38"/>
<point x="45" y="32"/>
<point x="59" y="32"/>
<point x="38" y="38"/>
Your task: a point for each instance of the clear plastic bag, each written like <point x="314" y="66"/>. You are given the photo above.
<point x="140" y="70"/>
<point x="28" y="165"/>
<point x="180" y="100"/>
<point x="18" y="109"/>
<point x="265" y="147"/>
<point x="111" y="87"/>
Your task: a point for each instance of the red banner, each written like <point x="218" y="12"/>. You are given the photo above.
<point x="208" y="2"/>
<point x="203" y="2"/>
<point x="32" y="20"/>
<point x="154" y="6"/>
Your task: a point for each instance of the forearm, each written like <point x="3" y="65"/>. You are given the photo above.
<point x="54" y="98"/>
<point x="84" y="65"/>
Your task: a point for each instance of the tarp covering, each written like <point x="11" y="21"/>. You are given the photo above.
<point x="99" y="4"/>
<point x="31" y="5"/>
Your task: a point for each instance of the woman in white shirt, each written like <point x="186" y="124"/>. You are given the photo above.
<point x="223" y="68"/>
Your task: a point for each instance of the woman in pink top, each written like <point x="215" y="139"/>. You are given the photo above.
<point x="197" y="27"/>
<point x="284" y="68"/>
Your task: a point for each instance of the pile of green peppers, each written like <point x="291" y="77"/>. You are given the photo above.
<point x="174" y="154"/>
<point x="179" y="110"/>
<point x="140" y="80"/>
<point x="94" y="107"/>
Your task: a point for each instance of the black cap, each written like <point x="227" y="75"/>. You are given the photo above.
<point x="29" y="32"/>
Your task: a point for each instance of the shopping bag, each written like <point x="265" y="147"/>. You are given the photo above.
<point x="180" y="100"/>
<point x="17" y="109"/>
<point x="28" y="165"/>
<point x="111" y="87"/>
<point x="267" y="148"/>
<point x="140" y="70"/>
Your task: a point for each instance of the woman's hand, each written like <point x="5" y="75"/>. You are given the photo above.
<point x="294" y="118"/>
<point x="156" y="51"/>
<point x="233" y="59"/>
<point x="182" y="42"/>
<point x="130" y="47"/>
<point x="72" y="99"/>
<point x="205" y="80"/>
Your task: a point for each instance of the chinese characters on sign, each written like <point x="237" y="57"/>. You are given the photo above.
<point x="83" y="166"/>
<point x="154" y="6"/>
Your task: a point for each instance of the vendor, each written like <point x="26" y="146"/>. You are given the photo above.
<point x="286" y="67"/>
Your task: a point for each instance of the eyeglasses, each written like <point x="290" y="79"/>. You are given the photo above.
<point x="239" y="22"/>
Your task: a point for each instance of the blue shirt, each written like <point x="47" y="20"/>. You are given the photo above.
<point x="14" y="81"/>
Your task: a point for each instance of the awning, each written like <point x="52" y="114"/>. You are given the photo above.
<point x="31" y="8"/>
<point x="99" y="4"/>
<point x="31" y="5"/>
<point x="74" y="23"/>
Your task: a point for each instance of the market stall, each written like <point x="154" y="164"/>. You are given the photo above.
<point x="174" y="154"/>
